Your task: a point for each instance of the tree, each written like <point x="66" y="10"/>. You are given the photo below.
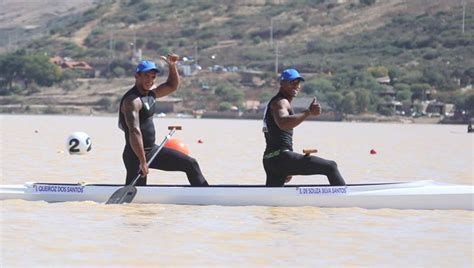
<point x="229" y="93"/>
<point x="118" y="71"/>
<point x="28" y="68"/>
<point x="322" y="85"/>
<point x="362" y="100"/>
<point x="394" y="74"/>
<point x="378" y="71"/>
<point x="401" y="87"/>
<point x="404" y="95"/>
<point x="225" y="106"/>
<point x="348" y="104"/>
<point x="334" y="100"/>
<point x="466" y="102"/>
<point x="39" y="69"/>
<point x="11" y="67"/>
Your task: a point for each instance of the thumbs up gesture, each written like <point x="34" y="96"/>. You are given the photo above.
<point x="314" y="108"/>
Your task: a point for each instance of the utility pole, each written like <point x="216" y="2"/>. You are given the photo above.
<point x="463" y="14"/>
<point x="9" y="42"/>
<point x="111" y="45"/>
<point x="134" y="43"/>
<point x="271" y="32"/>
<point x="196" y="56"/>
<point x="276" y="58"/>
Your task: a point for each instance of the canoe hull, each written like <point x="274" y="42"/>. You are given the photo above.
<point x="412" y="195"/>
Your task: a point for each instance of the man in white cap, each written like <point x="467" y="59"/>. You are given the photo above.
<point x="136" y="120"/>
<point x="279" y="160"/>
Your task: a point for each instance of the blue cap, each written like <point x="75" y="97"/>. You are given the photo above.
<point x="145" y="66"/>
<point x="290" y="75"/>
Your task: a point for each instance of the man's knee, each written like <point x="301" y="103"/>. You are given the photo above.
<point x="332" y="165"/>
<point x="192" y="163"/>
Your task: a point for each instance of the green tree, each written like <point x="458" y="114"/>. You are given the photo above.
<point x="225" y="106"/>
<point x="229" y="93"/>
<point x="118" y="71"/>
<point x="401" y="87"/>
<point x="466" y="102"/>
<point x="11" y="67"/>
<point x="394" y="74"/>
<point x="362" y="100"/>
<point x="378" y="71"/>
<point x="404" y="95"/>
<point x="71" y="74"/>
<point x="348" y="104"/>
<point x="39" y="69"/>
<point x="334" y="100"/>
<point x="322" y="85"/>
<point x="28" y="68"/>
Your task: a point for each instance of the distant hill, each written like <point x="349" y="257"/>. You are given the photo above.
<point x="419" y="43"/>
<point x="313" y="34"/>
<point x="23" y="20"/>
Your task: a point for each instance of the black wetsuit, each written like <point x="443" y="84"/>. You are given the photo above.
<point x="167" y="159"/>
<point x="279" y="160"/>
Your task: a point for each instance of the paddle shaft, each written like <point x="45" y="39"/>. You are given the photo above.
<point x="167" y="137"/>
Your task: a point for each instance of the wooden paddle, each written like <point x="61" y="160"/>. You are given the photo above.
<point x="128" y="192"/>
<point x="308" y="152"/>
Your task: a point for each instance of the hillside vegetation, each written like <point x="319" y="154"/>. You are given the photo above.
<point x="341" y="46"/>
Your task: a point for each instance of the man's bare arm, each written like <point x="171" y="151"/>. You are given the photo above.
<point x="130" y="109"/>
<point x="173" y="80"/>
<point x="282" y="117"/>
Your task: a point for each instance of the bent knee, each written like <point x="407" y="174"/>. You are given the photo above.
<point x="331" y="166"/>
<point x="192" y="162"/>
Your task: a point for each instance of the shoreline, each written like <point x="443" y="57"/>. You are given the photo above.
<point x="367" y="118"/>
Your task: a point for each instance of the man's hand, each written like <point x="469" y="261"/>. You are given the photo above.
<point x="144" y="169"/>
<point x="171" y="58"/>
<point x="314" y="108"/>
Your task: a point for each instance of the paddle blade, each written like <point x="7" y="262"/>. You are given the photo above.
<point x="123" y="195"/>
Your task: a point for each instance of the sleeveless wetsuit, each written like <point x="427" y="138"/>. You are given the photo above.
<point x="167" y="159"/>
<point x="279" y="160"/>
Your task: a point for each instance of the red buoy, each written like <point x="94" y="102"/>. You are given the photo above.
<point x="177" y="145"/>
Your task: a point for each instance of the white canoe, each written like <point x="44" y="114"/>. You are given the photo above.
<point x="403" y="195"/>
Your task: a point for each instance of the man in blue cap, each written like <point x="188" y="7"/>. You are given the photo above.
<point x="136" y="112"/>
<point x="279" y="160"/>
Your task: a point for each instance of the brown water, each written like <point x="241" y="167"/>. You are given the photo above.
<point x="90" y="234"/>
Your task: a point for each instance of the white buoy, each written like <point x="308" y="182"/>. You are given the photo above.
<point x="79" y="143"/>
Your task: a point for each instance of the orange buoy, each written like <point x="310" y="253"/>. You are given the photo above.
<point x="177" y="145"/>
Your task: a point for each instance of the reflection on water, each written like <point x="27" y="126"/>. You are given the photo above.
<point x="90" y="234"/>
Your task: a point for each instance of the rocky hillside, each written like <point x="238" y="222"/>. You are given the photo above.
<point x="417" y="38"/>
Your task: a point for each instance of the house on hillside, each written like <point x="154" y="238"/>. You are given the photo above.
<point x="385" y="80"/>
<point x="67" y="63"/>
<point x="391" y="107"/>
<point x="251" y="105"/>
<point x="437" y="108"/>
<point x="251" y="78"/>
